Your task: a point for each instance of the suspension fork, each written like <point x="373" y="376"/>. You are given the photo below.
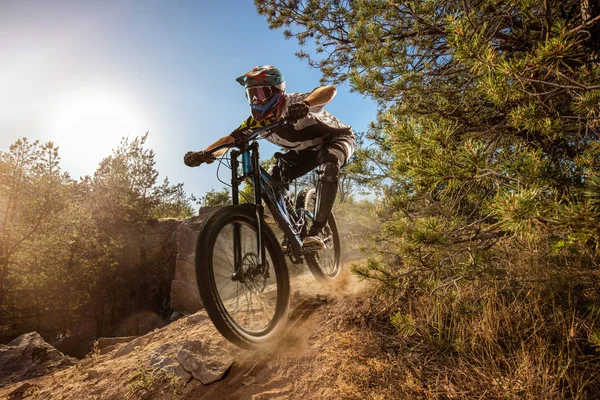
<point x="251" y="169"/>
<point x="260" y="211"/>
<point x="235" y="200"/>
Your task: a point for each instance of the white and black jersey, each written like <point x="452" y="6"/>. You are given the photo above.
<point x="308" y="133"/>
<point x="315" y="139"/>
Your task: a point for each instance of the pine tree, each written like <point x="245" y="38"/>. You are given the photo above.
<point x="123" y="184"/>
<point x="489" y="116"/>
<point x="30" y="194"/>
<point x="172" y="201"/>
<point x="488" y="133"/>
<point x="216" y="198"/>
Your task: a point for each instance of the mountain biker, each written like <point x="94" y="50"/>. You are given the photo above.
<point x="315" y="139"/>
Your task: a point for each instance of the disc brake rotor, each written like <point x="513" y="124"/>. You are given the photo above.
<point x="255" y="278"/>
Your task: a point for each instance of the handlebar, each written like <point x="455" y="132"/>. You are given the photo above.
<point x="240" y="142"/>
<point x="194" y="159"/>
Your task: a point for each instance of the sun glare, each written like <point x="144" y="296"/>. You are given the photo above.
<point x="87" y="126"/>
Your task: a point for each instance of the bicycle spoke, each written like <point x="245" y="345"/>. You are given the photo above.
<point x="246" y="304"/>
<point x="325" y="264"/>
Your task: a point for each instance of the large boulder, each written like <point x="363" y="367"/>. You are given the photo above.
<point x="185" y="297"/>
<point x="184" y="289"/>
<point x="29" y="356"/>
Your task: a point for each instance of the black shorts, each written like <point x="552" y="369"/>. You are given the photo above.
<point x="299" y="163"/>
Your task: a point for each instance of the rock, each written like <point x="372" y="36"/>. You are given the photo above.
<point x="130" y="347"/>
<point x="108" y="349"/>
<point x="185" y="297"/>
<point x="175" y="316"/>
<point x="196" y="319"/>
<point x="187" y="233"/>
<point x="45" y="394"/>
<point x="190" y="387"/>
<point x="249" y="381"/>
<point x="205" y="212"/>
<point x="178" y="371"/>
<point x="21" y="390"/>
<point x="164" y="348"/>
<point x="167" y="364"/>
<point x="189" y="361"/>
<point x="86" y="362"/>
<point x="206" y="362"/>
<point x="93" y="374"/>
<point x="28" y="356"/>
<point x="213" y="371"/>
<point x="159" y="360"/>
<point x="184" y="288"/>
<point x="68" y="361"/>
<point x="104" y="342"/>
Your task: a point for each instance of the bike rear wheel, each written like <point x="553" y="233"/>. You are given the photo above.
<point x="248" y="307"/>
<point x="325" y="265"/>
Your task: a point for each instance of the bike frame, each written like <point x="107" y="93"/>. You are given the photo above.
<point x="265" y="189"/>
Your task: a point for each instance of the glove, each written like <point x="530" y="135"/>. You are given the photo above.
<point x="239" y="133"/>
<point x="298" y="111"/>
<point x="196" y="158"/>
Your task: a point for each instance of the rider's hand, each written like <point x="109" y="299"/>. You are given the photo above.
<point x="195" y="158"/>
<point x="240" y="133"/>
<point x="298" y="111"/>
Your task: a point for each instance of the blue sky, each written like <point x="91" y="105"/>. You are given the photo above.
<point x="85" y="73"/>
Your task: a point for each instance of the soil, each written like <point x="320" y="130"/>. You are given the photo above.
<point x="305" y="363"/>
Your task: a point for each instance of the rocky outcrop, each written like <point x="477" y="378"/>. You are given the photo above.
<point x="184" y="288"/>
<point x="29" y="356"/>
<point x="106" y="345"/>
<point x="204" y="359"/>
<point x="182" y="357"/>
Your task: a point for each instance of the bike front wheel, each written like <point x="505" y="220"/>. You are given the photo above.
<point x="249" y="304"/>
<point x="325" y="265"/>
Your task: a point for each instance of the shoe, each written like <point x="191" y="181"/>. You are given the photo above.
<point x="313" y="243"/>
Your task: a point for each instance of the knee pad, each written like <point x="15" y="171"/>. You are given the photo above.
<point x="329" y="172"/>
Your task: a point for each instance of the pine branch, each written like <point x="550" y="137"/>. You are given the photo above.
<point x="584" y="25"/>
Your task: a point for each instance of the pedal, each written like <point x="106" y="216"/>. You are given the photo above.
<point x="312" y="245"/>
<point x="285" y="245"/>
<point x="311" y="248"/>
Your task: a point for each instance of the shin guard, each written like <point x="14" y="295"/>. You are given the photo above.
<point x="326" y="192"/>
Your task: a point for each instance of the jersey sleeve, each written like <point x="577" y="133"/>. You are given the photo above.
<point x="300" y="97"/>
<point x="247" y="125"/>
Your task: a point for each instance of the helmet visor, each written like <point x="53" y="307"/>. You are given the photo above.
<point x="259" y="95"/>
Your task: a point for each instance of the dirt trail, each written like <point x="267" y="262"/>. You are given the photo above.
<point x="301" y="365"/>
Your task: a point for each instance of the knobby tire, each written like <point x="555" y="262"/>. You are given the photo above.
<point x="325" y="265"/>
<point x="216" y="228"/>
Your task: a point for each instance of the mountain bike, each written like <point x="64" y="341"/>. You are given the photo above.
<point x="241" y="266"/>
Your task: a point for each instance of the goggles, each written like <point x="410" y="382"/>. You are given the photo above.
<point x="259" y="95"/>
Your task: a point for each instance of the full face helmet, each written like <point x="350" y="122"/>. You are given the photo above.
<point x="265" y="87"/>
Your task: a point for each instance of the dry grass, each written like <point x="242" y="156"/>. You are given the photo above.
<point x="479" y="340"/>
